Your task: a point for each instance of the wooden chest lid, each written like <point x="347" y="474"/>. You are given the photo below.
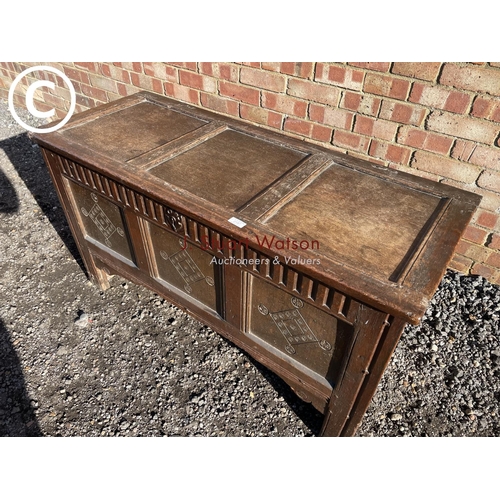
<point x="379" y="235"/>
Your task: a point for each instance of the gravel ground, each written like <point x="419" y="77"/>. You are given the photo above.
<point x="75" y="361"/>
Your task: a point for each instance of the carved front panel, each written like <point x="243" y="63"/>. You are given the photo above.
<point x="183" y="265"/>
<point x="102" y="220"/>
<point x="299" y="330"/>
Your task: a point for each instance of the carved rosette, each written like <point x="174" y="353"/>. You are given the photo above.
<point x="174" y="219"/>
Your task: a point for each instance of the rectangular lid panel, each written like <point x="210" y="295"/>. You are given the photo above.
<point x="129" y="132"/>
<point x="228" y="169"/>
<point x="369" y="223"/>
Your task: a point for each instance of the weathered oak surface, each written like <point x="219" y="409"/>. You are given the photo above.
<point x="330" y="257"/>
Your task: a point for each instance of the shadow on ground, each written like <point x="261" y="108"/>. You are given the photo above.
<point x="17" y="417"/>
<point x="26" y="158"/>
<point x="306" y="412"/>
<point x="9" y="201"/>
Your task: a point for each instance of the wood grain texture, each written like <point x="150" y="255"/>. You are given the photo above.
<point x="376" y="227"/>
<point x="331" y="256"/>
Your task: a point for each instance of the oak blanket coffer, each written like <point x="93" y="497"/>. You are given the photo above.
<point x="309" y="260"/>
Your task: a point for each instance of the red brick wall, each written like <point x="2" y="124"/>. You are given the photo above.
<point x="435" y="120"/>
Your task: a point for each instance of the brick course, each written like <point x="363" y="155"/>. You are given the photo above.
<point x="484" y="80"/>
<point x="485" y="107"/>
<point x="284" y="104"/>
<point x="240" y="93"/>
<point x="463" y="126"/>
<point x="338" y="118"/>
<point x="386" y="86"/>
<point x="263" y="79"/>
<point x="436" y="120"/>
<point x="495" y="242"/>
<point x="417" y="70"/>
<point x="449" y="168"/>
<point x="490" y="180"/>
<point x="341" y="76"/>
<point x="229" y="72"/>
<point x="363" y="104"/>
<point x="402" y="113"/>
<point x="259" y="115"/>
<point x="220" y="104"/>
<point x="377" y="128"/>
<point x="421" y="139"/>
<point x="197" y="81"/>
<point x="434" y="96"/>
<point x="315" y="92"/>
